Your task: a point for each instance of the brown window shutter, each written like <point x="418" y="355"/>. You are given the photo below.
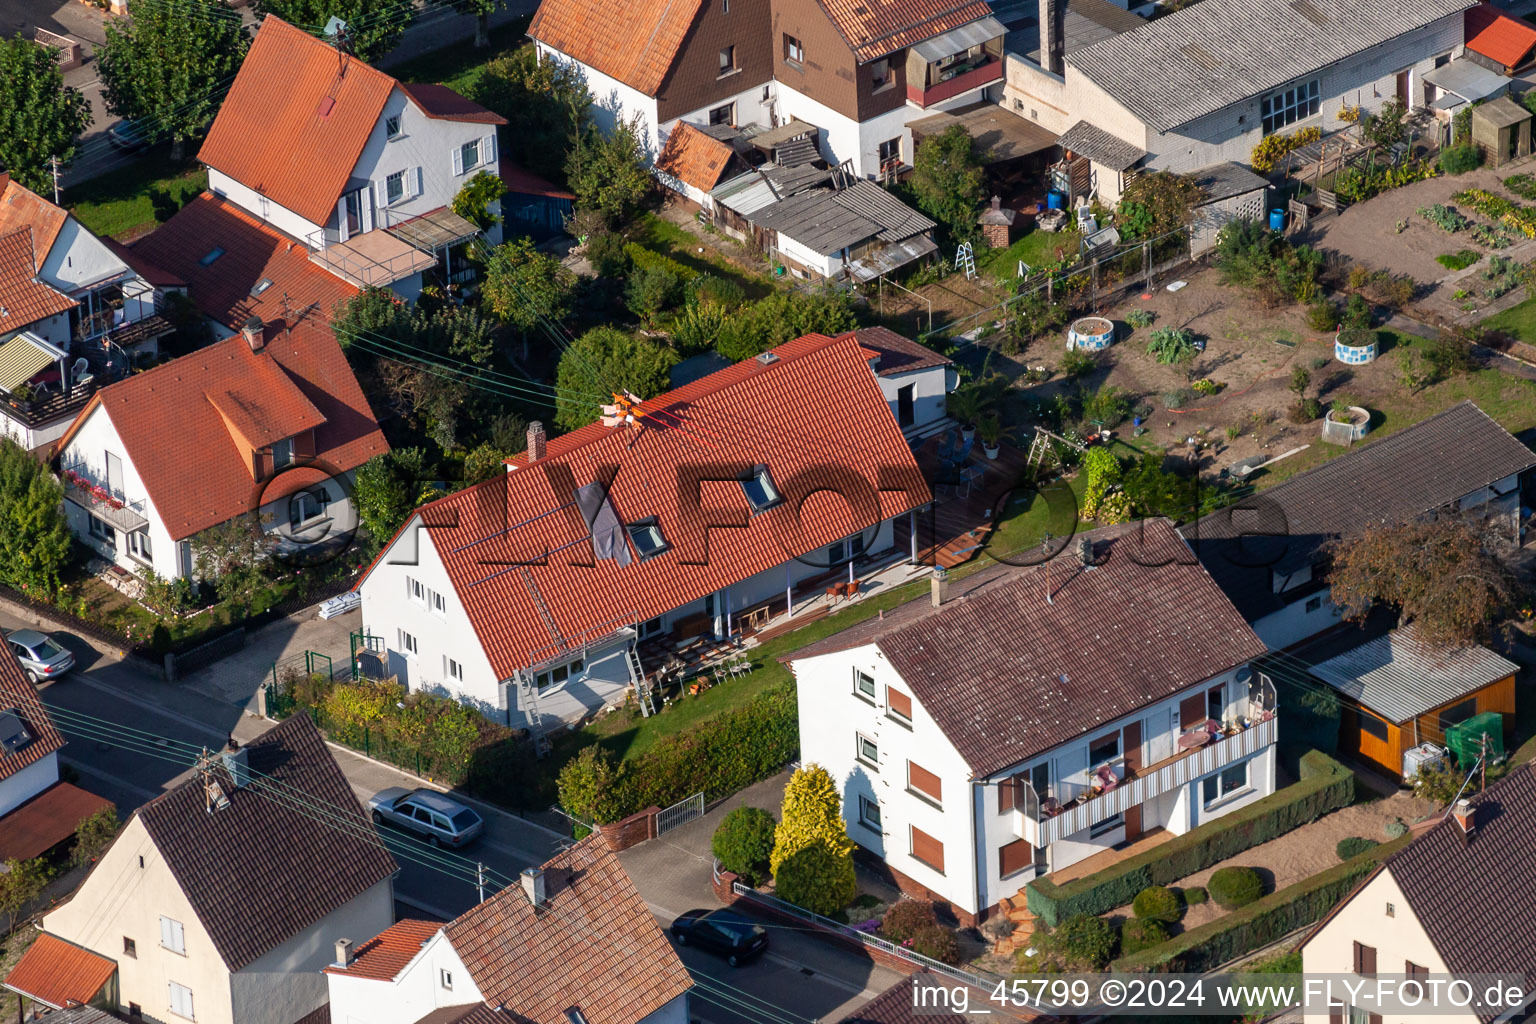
<point x="1413" y="970"/>
<point x="304" y="444"/>
<point x="925" y="782"/>
<point x="1375" y="1018"/>
<point x="1368" y="959"/>
<point x="900" y="703"/>
<point x="1335" y="1014"/>
<point x="928" y="849"/>
<point x="1008" y="794"/>
<point x="1015" y="856"/>
<point x="1192" y="711"/>
<point x="1359" y="958"/>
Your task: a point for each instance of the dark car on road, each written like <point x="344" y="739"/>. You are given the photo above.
<point x="725" y="932"/>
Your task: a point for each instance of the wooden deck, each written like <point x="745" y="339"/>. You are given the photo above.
<point x="964" y="512"/>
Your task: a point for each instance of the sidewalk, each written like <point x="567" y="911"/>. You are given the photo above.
<point x="236" y="678"/>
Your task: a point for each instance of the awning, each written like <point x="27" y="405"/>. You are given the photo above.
<point x="22" y="357"/>
<point x="59" y="974"/>
<point x="1000" y="134"/>
<point x="1472" y="82"/>
<point x="889" y="257"/>
<point x="960" y="39"/>
<point x="771" y="137"/>
<point x="46" y="820"/>
<point x="435" y="230"/>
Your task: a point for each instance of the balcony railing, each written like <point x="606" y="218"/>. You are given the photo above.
<point x="1041" y="827"/>
<point x="100" y="501"/>
<point x="989" y="72"/>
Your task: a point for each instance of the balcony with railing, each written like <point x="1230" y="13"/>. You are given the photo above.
<point x="102" y="500"/>
<point x="1113" y="787"/>
<point x="944" y="80"/>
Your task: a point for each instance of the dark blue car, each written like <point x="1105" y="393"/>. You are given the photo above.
<point x="724" y="932"/>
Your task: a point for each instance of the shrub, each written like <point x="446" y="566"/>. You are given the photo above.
<point x="936" y="942"/>
<point x="1460" y="159"/>
<point x="1157" y="903"/>
<point x="743" y="843"/>
<point x="1109" y="405"/>
<point x="1141" y="933"/>
<point x="1195" y="896"/>
<point x="1459" y="260"/>
<point x="905" y="917"/>
<point x="1236" y="887"/>
<point x="1205" y="386"/>
<point x="1260" y="923"/>
<point x="1272" y="148"/>
<point x="1357" y="313"/>
<point x="1077" y="363"/>
<point x="1396" y="828"/>
<point x="650" y="259"/>
<point x="1083" y="939"/>
<point x="1172" y="345"/>
<point x="818" y="877"/>
<point x="1323" y="315"/>
<point x="1325" y="785"/>
<point x="1352" y="846"/>
<point x="1305" y="410"/>
<point x="652" y="291"/>
<point x="1178" y="398"/>
<point x="1140" y="318"/>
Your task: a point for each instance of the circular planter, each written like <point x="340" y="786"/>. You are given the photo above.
<point x="1355" y="423"/>
<point x="1355" y="348"/>
<point x="1091" y="334"/>
<point x="990" y="450"/>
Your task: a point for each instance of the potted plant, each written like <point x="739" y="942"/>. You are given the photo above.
<point x="967" y="404"/>
<point x="990" y="430"/>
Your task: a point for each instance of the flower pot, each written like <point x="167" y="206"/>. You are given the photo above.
<point x="990" y="450"/>
<point x="967" y="433"/>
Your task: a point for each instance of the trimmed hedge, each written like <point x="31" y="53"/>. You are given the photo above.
<point x="1235" y="887"/>
<point x="1326" y="785"/>
<point x="1259" y="923"/>
<point x="643" y="258"/>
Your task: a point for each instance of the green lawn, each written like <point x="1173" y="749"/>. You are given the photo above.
<point x="670" y="240"/>
<point x="1519" y="321"/>
<point x="125" y="201"/>
<point x="1036" y="248"/>
<point x="458" y="66"/>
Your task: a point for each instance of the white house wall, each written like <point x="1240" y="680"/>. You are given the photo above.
<point x="826" y="266"/>
<point x="90" y="444"/>
<point x="929" y="391"/>
<point x="285" y="983"/>
<point x="79" y="258"/>
<point x="259" y="206"/>
<point x="19" y="787"/>
<point x="843" y="138"/>
<point x="414" y="993"/>
<point x="613" y="101"/>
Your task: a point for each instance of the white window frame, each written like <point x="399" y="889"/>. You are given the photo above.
<point x="172" y="988"/>
<point x="437" y="604"/>
<point x="557" y="674"/>
<point x="445" y="978"/>
<point x="139" y="546"/>
<point x="392" y="128"/>
<point x="865" y="803"/>
<point x="794" y="49"/>
<point x="173" y="936"/>
<point x="101" y="531"/>
<point x="871" y="760"/>
<point x="453" y="669"/>
<point x="416" y="590"/>
<point x="1221" y="796"/>
<point x="282" y="453"/>
<point x="860" y="677"/>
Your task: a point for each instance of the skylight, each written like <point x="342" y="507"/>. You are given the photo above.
<point x="213" y="254"/>
<point x="261" y="286"/>
<point x="759" y="489"/>
<point x="647" y="538"/>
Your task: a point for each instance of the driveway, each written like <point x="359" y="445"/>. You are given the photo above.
<point x="807" y="976"/>
<point x="236" y="679"/>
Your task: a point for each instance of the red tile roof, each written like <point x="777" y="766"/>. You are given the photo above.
<point x="384" y="956"/>
<point x="25" y="299"/>
<point x="20" y="207"/>
<point x="59" y="973"/>
<point x="520" y="180"/>
<point x="634" y="41"/>
<point x="1498" y="36"/>
<point x="46" y="820"/>
<point x="693" y="157"/>
<point x="140" y="264"/>
<point x="443" y="104"/>
<point x="296" y="120"/>
<point x="876" y="29"/>
<point x="815" y="416"/>
<point x="593" y="946"/>
<point x="17" y="692"/>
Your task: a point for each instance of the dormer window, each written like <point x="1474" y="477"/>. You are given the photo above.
<point x="282" y="453"/>
<point x="392" y="127"/>
<point x="759" y="489"/>
<point x="647" y="538"/>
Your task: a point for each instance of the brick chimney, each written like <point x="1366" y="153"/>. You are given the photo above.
<point x="1466" y="818"/>
<point x="343" y="952"/>
<point x="1053" y="44"/>
<point x="938" y="585"/>
<point x="255" y="333"/>
<point x="536" y="439"/>
<point x="533" y="886"/>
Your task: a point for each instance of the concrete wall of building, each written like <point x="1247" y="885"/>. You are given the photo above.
<point x="88" y="450"/>
<point x="19" y="787"/>
<point x="79" y="258"/>
<point x="435" y="977"/>
<point x="285" y="983"/>
<point x="930" y="387"/>
<point x="123" y="898"/>
<point x="259" y="206"/>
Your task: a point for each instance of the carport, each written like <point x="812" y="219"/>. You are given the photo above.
<point x="1016" y="150"/>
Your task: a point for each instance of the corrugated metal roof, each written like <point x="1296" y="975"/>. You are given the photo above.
<point x="1501" y="112"/>
<point x="1101" y="147"/>
<point x="829" y="221"/>
<point x="750" y="192"/>
<point x="1469" y="80"/>
<point x="1399" y="677"/>
<point x="1225" y="180"/>
<point x="960" y="39"/>
<point x="1218" y="52"/>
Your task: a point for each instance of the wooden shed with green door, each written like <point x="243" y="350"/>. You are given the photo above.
<point x="1501" y="128"/>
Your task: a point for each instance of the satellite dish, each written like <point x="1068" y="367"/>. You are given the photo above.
<point x="335" y="28"/>
<point x="1243" y="674"/>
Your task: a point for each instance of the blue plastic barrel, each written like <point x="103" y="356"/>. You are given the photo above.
<point x="1055" y="200"/>
<point x="1277" y="220"/>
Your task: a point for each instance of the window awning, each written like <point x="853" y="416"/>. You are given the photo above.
<point x="435" y="230"/>
<point x="960" y="39"/>
<point x="22" y="357"/>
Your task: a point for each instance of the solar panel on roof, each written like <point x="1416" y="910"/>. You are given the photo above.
<point x="13" y="732"/>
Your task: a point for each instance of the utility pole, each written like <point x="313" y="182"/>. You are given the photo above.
<point x="1482" y="783"/>
<point x="480" y="880"/>
<point x="54" y="163"/>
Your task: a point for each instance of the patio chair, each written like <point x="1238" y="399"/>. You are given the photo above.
<point x="947" y="446"/>
<point x="964" y="452"/>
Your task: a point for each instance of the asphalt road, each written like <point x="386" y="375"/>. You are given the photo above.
<point x="118" y="750"/>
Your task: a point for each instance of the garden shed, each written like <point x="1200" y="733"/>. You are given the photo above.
<point x="1501" y="128"/>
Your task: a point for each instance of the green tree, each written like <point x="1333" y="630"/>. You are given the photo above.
<point x="608" y="171"/>
<point x="93" y="835"/>
<point x="783" y="316"/>
<point x="21" y="883"/>
<point x="524" y="287"/>
<point x="812" y="815"/>
<point x="743" y="842"/>
<point x="40" y="117"/>
<point x="1157" y="203"/>
<point x="168" y="62"/>
<point x="1388" y="125"/>
<point x="482" y="10"/>
<point x="818" y="878"/>
<point x="948" y="182"/>
<point x="601" y="362"/>
<point x="543" y="102"/>
<point x="473" y="201"/>
<point x="34" y="537"/>
<point x="233" y="557"/>
<point x="389" y="487"/>
<point x="374" y="27"/>
<point x="589" y="785"/>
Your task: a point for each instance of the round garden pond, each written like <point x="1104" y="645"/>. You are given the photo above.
<point x="1091" y="334"/>
<point x="1355" y="347"/>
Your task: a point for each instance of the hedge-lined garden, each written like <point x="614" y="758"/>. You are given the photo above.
<point x="1326" y="785"/>
<point x="1261" y="922"/>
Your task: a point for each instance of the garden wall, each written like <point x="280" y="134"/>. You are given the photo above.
<point x="1326" y="785"/>
<point x="1260" y="923"/>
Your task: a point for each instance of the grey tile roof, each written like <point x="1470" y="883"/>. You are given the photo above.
<point x="827" y="220"/>
<point x="1388" y="479"/>
<point x="898" y="354"/>
<point x="1101" y="147"/>
<point x="1400" y="678"/>
<point x="1225" y="180"/>
<point x="1007" y="675"/>
<point x="1475" y="896"/>
<point x="263" y="869"/>
<point x="1215" y="53"/>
